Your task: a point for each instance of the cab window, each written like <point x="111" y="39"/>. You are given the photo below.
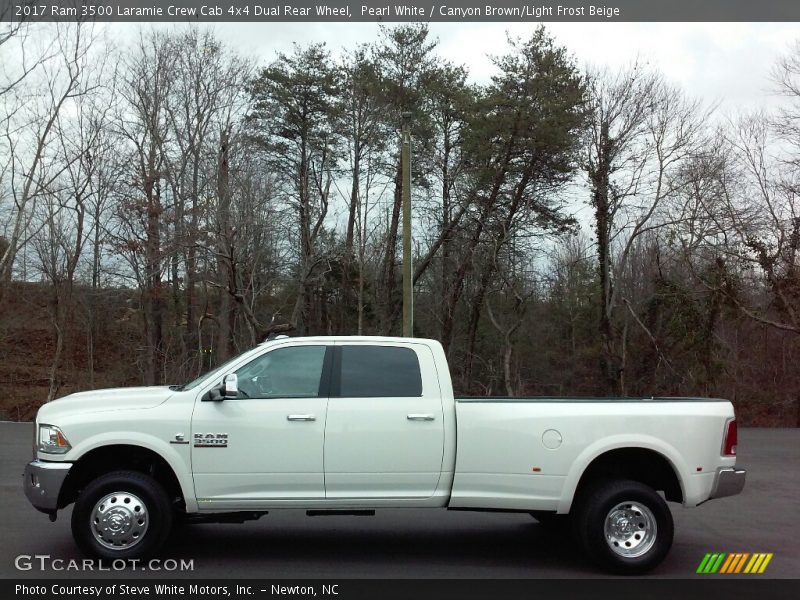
<point x="379" y="372"/>
<point x="294" y="372"/>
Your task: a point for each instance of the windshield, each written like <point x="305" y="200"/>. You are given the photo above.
<point x="211" y="374"/>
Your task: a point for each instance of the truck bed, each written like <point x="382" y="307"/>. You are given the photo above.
<point x="529" y="452"/>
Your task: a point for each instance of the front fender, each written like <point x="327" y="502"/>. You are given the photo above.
<point x="177" y="456"/>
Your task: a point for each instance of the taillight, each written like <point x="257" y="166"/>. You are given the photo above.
<point x="731" y="439"/>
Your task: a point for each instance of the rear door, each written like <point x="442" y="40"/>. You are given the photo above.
<point x="384" y="436"/>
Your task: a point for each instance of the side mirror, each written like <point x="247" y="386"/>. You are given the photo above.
<point x="230" y="386"/>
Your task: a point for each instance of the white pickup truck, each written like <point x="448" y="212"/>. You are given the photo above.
<point x="349" y="425"/>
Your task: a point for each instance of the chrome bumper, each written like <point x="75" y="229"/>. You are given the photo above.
<point x="43" y="482"/>
<point x="728" y="482"/>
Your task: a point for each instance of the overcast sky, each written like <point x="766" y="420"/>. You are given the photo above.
<point x="720" y="62"/>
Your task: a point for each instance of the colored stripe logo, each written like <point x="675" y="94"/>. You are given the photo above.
<point x="735" y="562"/>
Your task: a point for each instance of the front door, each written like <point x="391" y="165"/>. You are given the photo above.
<point x="385" y="431"/>
<point x="266" y="444"/>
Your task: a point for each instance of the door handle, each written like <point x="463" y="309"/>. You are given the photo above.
<point x="301" y="418"/>
<point x="420" y="417"/>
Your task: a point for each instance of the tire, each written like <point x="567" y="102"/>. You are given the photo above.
<point x="624" y="526"/>
<point x="123" y="514"/>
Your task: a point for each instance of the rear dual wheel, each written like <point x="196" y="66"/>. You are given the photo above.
<point x="624" y="526"/>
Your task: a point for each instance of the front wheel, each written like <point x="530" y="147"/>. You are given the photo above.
<point x="625" y="526"/>
<point x="124" y="514"/>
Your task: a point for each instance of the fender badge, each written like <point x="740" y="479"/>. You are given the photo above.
<point x="210" y="440"/>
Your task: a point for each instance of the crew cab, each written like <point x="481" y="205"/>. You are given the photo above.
<point x="357" y="424"/>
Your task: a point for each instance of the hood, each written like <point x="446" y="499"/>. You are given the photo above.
<point x="103" y="400"/>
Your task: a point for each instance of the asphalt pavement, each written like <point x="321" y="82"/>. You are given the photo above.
<point x="423" y="543"/>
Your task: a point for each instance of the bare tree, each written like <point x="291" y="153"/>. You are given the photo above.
<point x="740" y="228"/>
<point x="361" y="126"/>
<point x="518" y="293"/>
<point x="206" y="102"/>
<point x="143" y="124"/>
<point x="642" y="130"/>
<point x="59" y="224"/>
<point x="786" y="81"/>
<point x="30" y="142"/>
<point x="20" y="57"/>
<point x="761" y="226"/>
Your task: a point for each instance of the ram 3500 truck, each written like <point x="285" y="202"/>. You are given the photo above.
<point x="353" y="424"/>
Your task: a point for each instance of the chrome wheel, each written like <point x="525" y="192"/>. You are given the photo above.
<point x="119" y="520"/>
<point x="630" y="529"/>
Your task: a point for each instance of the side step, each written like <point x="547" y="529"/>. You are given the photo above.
<point x="230" y="517"/>
<point x="339" y="513"/>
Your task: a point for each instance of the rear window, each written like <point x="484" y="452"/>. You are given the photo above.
<point x="380" y="372"/>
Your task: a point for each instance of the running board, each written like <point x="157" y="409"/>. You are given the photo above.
<point x="339" y="513"/>
<point x="229" y="517"/>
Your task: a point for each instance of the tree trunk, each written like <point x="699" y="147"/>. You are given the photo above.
<point x="154" y="301"/>
<point x="446" y="218"/>
<point x="225" y="257"/>
<point x="389" y="309"/>
<point x="609" y="363"/>
<point x="190" y="239"/>
<point x="58" y="323"/>
<point x="306" y="247"/>
<point x="474" y="321"/>
<point x="347" y="260"/>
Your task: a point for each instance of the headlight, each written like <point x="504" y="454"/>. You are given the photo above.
<point x="52" y="440"/>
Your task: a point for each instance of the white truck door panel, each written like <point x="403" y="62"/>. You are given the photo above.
<point x="275" y="432"/>
<point x="384" y="436"/>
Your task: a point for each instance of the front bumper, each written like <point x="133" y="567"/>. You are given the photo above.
<point x="43" y="481"/>
<point x="728" y="482"/>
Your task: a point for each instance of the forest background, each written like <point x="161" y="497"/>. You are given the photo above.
<point x="577" y="230"/>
